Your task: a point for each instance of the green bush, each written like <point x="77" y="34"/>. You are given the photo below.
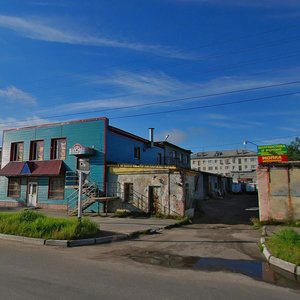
<point x="32" y="224"/>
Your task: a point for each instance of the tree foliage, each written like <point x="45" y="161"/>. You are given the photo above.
<point x="294" y="149"/>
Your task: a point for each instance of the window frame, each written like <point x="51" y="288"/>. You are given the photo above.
<point x="55" y="153"/>
<point x="137" y="153"/>
<point x="34" y="150"/>
<point x="128" y="191"/>
<point x="51" y="192"/>
<point x="14" y="151"/>
<point x="9" y="191"/>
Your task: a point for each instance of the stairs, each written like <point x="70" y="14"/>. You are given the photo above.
<point x="90" y="194"/>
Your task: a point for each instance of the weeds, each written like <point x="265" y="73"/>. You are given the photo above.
<point x="257" y="224"/>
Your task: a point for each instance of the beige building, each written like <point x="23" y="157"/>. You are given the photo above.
<point x="240" y="165"/>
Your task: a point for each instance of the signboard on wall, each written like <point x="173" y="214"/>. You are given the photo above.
<point x="272" y="153"/>
<point x="78" y="149"/>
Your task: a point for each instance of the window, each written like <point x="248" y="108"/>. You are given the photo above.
<point x="245" y="159"/>
<point x="185" y="159"/>
<point x="36" y="150"/>
<point x="137" y="153"/>
<point x="233" y="160"/>
<point x="240" y="161"/>
<point x="216" y="168"/>
<point x="253" y="167"/>
<point x="56" y="188"/>
<point x="16" y="151"/>
<point x="252" y="159"/>
<point x="199" y="163"/>
<point x="159" y="160"/>
<point x="240" y="168"/>
<point x="128" y="192"/>
<point x="210" y="168"/>
<point x="246" y="167"/>
<point x="204" y="168"/>
<point x="227" y="161"/>
<point x="210" y="161"/>
<point x="58" y="149"/>
<point x="181" y="157"/>
<point x="14" y="187"/>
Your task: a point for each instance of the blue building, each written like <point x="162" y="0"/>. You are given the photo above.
<point x="40" y="163"/>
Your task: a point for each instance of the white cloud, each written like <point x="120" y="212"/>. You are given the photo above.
<point x="37" y="30"/>
<point x="11" y="94"/>
<point x="175" y="136"/>
<point x="10" y="123"/>
<point x="290" y="129"/>
<point x="96" y="104"/>
<point x="145" y="83"/>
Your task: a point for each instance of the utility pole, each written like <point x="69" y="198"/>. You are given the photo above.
<point x="79" y="213"/>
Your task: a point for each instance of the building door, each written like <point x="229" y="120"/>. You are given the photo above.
<point x="154" y="199"/>
<point x="32" y="193"/>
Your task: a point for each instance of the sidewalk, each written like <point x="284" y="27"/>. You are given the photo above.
<point x="111" y="228"/>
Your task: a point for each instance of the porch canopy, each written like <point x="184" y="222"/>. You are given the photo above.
<point x="33" y="168"/>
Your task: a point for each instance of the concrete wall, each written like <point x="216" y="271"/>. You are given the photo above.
<point x="177" y="188"/>
<point x="279" y="191"/>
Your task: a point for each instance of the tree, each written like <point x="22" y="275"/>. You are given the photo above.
<point x="293" y="149"/>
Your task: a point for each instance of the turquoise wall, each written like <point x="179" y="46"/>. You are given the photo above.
<point x="87" y="133"/>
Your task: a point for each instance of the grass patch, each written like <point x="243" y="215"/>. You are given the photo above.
<point x="285" y="245"/>
<point x="257" y="224"/>
<point x="36" y="225"/>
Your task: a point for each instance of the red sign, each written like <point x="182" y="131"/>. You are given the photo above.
<point x="272" y="158"/>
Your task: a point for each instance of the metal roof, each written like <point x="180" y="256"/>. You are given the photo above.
<point x="224" y="153"/>
<point x="33" y="168"/>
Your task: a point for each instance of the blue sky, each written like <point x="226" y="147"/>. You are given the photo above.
<point x="210" y="73"/>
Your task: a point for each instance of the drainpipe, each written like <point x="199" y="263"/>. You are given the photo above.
<point x="151" y="134"/>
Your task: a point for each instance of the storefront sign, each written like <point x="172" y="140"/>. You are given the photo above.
<point x="279" y="149"/>
<point x="78" y="149"/>
<point x="272" y="158"/>
<point x="272" y="153"/>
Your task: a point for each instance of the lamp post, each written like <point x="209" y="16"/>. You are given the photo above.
<point x="249" y="142"/>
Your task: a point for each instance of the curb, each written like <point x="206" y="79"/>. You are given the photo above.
<point x="86" y="242"/>
<point x="23" y="239"/>
<point x="275" y="261"/>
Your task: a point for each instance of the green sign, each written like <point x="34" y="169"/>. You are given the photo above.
<point x="279" y="149"/>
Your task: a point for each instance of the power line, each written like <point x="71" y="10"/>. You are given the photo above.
<point x="240" y="142"/>
<point x="209" y="105"/>
<point x="169" y="101"/>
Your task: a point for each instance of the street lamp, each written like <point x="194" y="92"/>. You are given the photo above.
<point x="249" y="142"/>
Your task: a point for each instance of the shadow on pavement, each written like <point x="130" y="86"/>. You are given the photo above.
<point x="231" y="210"/>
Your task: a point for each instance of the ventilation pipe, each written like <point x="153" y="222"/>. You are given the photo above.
<point x="151" y="134"/>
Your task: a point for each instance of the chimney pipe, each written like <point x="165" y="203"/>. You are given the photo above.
<point x="151" y="133"/>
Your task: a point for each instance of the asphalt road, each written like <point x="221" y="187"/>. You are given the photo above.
<point x="160" y="266"/>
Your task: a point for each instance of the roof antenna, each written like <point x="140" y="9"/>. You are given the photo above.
<point x="167" y="136"/>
